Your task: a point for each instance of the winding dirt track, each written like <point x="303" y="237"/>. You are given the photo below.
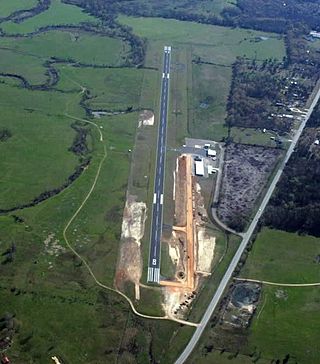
<point x="73" y="217"/>
<point x="278" y="284"/>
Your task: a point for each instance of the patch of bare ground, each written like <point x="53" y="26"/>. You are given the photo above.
<point x="241" y="304"/>
<point x="146" y="117"/>
<point x="190" y="218"/>
<point x="206" y="245"/>
<point x="245" y="174"/>
<point x="177" y="301"/>
<point x="180" y="193"/>
<point x="129" y="267"/>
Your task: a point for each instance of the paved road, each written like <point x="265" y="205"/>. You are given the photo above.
<point x="223" y="284"/>
<point x="156" y="228"/>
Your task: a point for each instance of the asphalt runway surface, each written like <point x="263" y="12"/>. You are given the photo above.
<point x="156" y="228"/>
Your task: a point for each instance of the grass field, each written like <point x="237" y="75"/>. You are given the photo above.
<point x="221" y="44"/>
<point x="76" y="45"/>
<point x="211" y="89"/>
<point x="23" y="64"/>
<point x="109" y="89"/>
<point x="252" y="136"/>
<point x="278" y="256"/>
<point x="8" y="7"/>
<point x="58" y="14"/>
<point x="287" y="324"/>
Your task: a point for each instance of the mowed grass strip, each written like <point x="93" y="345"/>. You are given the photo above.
<point x="76" y="45"/>
<point x="10" y="6"/>
<point x="57" y="14"/>
<point x="282" y="257"/>
<point x="210" y="90"/>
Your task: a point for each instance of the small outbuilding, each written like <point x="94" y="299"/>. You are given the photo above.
<point x="199" y="168"/>
<point x="211" y="153"/>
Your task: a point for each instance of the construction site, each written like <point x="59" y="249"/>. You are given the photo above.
<point x="189" y="244"/>
<point x="191" y="248"/>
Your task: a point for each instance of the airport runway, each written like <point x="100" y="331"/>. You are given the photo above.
<point x="156" y="227"/>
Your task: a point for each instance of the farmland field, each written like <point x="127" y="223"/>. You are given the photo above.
<point x="282" y="257"/>
<point x="8" y="7"/>
<point x="75" y="45"/>
<point x="58" y="14"/>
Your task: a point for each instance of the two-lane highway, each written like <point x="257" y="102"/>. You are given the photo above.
<point x="246" y="238"/>
<point x="156" y="227"/>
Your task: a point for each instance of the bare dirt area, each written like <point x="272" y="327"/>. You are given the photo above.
<point x="191" y="248"/>
<point x="146" y="118"/>
<point x="206" y="245"/>
<point x="245" y="174"/>
<point x="241" y="304"/>
<point x="129" y="266"/>
<point x="177" y="301"/>
<point x="180" y="192"/>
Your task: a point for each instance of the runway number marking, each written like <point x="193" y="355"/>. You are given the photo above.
<point x="154" y="261"/>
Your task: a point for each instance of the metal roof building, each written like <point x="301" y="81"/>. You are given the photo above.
<point x="199" y="168"/>
<point x="211" y="153"/>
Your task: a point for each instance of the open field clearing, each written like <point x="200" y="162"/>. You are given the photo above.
<point x="286" y="324"/>
<point x="58" y="14"/>
<point x="8" y="7"/>
<point x="22" y="64"/>
<point x="211" y="88"/>
<point x="221" y="44"/>
<point x="282" y="257"/>
<point x="252" y="136"/>
<point x="40" y="150"/>
<point x="109" y="89"/>
<point x="72" y="44"/>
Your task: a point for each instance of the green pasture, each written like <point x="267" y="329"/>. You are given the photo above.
<point x="252" y="136"/>
<point x="9" y="6"/>
<point x="286" y="323"/>
<point x="110" y="89"/>
<point x="211" y="43"/>
<point x="58" y="13"/>
<point x="75" y="45"/>
<point x="28" y="66"/>
<point x="282" y="257"/>
<point x="210" y="93"/>
<point x="36" y="158"/>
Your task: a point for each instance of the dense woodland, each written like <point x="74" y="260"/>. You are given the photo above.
<point x="274" y="15"/>
<point x="295" y="206"/>
<point x="271" y="15"/>
<point x="262" y="93"/>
